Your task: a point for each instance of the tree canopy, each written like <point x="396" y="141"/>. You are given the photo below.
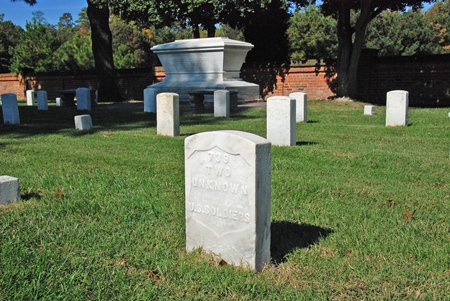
<point x="352" y="35"/>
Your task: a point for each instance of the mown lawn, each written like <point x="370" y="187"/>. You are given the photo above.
<point x="360" y="211"/>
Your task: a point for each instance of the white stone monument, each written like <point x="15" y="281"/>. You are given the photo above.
<point x="168" y="114"/>
<point x="228" y="192"/>
<point x="9" y="189"/>
<point x="281" y="124"/>
<point x="301" y="104"/>
<point x="150" y="100"/>
<point x="83" y="99"/>
<point x="369" y="110"/>
<point x="222" y="103"/>
<point x="30" y="98"/>
<point x="201" y="64"/>
<point x="397" y="103"/>
<point x="10" y="108"/>
<point x="58" y="101"/>
<point x="42" y="100"/>
<point x="83" y="122"/>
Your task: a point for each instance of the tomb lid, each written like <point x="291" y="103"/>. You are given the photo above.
<point x="201" y="45"/>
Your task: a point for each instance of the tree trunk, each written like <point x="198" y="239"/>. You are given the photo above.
<point x="345" y="49"/>
<point x="102" y="49"/>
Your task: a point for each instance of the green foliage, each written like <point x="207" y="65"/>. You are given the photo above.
<point x="9" y="37"/>
<point x="75" y="54"/>
<point x="312" y="35"/>
<point x="123" y="58"/>
<point x="439" y="16"/>
<point x="136" y="45"/>
<point x="35" y="50"/>
<point x="404" y="34"/>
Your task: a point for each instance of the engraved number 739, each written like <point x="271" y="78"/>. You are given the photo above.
<point x="218" y="157"/>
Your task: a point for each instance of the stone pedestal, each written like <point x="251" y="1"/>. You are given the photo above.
<point x="150" y="100"/>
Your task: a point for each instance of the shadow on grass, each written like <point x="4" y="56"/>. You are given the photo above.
<point x="105" y="117"/>
<point x="300" y="143"/>
<point x="288" y="236"/>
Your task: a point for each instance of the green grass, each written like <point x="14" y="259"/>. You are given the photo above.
<point x="102" y="211"/>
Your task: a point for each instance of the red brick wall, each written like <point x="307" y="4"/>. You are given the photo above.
<point x="11" y="83"/>
<point x="427" y="78"/>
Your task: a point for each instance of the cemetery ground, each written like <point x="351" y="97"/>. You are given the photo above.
<point x="360" y="211"/>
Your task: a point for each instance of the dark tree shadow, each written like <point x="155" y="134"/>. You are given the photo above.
<point x="288" y="236"/>
<point x="300" y="143"/>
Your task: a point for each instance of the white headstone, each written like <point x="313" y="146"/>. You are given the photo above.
<point x="42" y="100"/>
<point x="397" y="103"/>
<point x="168" y="114"/>
<point x="30" y="98"/>
<point x="83" y="122"/>
<point x="58" y="101"/>
<point x="369" y="110"/>
<point x="222" y="103"/>
<point x="150" y="100"/>
<point x="9" y="189"/>
<point x="83" y="99"/>
<point x="228" y="192"/>
<point x="281" y="125"/>
<point x="10" y="108"/>
<point x="301" y="104"/>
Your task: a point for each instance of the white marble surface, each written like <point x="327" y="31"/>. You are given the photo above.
<point x="301" y="105"/>
<point x="369" y="110"/>
<point x="222" y="103"/>
<point x="281" y="124"/>
<point x="228" y="192"/>
<point x="397" y="103"/>
<point x="31" y="99"/>
<point x="9" y="189"/>
<point x="83" y="122"/>
<point x="150" y="100"/>
<point x="10" y="108"/>
<point x="42" y="100"/>
<point x="168" y="114"/>
<point x="83" y="96"/>
<point x="208" y="63"/>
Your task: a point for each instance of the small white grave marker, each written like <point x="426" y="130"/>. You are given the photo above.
<point x="369" y="110"/>
<point x="9" y="189"/>
<point x="42" y="100"/>
<point x="58" y="101"/>
<point x="228" y="191"/>
<point x="150" y="100"/>
<point x="30" y="98"/>
<point x="83" y="99"/>
<point x="83" y="122"/>
<point x="10" y="108"/>
<point x="397" y="103"/>
<point x="222" y="103"/>
<point x="168" y="114"/>
<point x="281" y="125"/>
<point x="301" y="104"/>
